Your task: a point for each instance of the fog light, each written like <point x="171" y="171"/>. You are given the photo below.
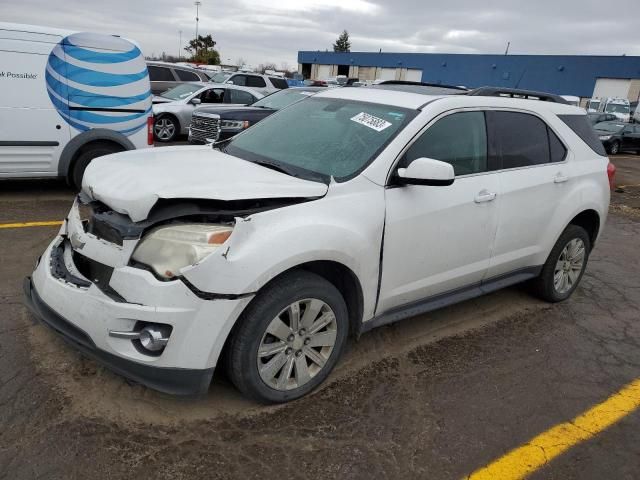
<point x="154" y="337"/>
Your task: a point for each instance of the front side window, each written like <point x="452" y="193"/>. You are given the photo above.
<point x="322" y="137"/>
<point x="257" y="82"/>
<point x="521" y="139"/>
<point x="239" y="80"/>
<point x="459" y="139"/>
<point x="213" y="95"/>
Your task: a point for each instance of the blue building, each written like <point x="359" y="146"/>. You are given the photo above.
<point x="580" y="75"/>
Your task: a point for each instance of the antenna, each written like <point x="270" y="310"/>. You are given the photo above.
<point x="506" y="52"/>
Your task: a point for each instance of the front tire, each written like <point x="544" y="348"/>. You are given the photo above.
<point x="289" y="338"/>
<point x="565" y="265"/>
<point x="166" y="128"/>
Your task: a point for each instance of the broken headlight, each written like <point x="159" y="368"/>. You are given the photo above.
<point x="166" y="250"/>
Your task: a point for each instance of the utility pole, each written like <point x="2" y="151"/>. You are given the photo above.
<point x="197" y="4"/>
<point x="179" y="44"/>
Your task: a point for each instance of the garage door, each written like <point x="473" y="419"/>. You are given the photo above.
<point x="366" y="73"/>
<point x="413" y="75"/>
<point x="324" y="71"/>
<point x="386" y="74"/>
<point x="611" y="87"/>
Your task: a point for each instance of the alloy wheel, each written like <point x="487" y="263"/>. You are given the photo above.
<point x="297" y="344"/>
<point x="569" y="266"/>
<point x="164" y="129"/>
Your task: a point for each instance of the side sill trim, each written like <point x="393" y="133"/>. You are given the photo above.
<point x="449" y="298"/>
<point x="26" y="143"/>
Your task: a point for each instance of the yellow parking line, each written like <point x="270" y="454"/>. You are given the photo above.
<point x="30" y="224"/>
<point x="542" y="449"/>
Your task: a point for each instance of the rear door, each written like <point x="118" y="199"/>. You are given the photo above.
<point x="32" y="133"/>
<point x="534" y="179"/>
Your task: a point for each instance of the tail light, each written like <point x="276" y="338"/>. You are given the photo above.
<point x="611" y="173"/>
<point x="150" y="130"/>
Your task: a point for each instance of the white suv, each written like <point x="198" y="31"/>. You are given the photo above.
<point x="352" y="209"/>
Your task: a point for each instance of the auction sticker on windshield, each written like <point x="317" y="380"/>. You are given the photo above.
<point x="378" y="124"/>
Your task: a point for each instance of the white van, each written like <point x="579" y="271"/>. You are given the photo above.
<point x="67" y="98"/>
<point x="593" y="105"/>
<point x="620" y="107"/>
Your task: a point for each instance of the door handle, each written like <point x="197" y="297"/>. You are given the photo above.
<point x="485" y="196"/>
<point x="559" y="178"/>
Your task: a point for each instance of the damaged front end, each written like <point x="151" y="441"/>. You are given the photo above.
<point x="176" y="234"/>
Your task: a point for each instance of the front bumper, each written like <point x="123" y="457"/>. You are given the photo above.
<point x="176" y="381"/>
<point x="85" y="304"/>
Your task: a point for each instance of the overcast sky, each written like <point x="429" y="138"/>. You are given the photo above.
<point x="274" y="30"/>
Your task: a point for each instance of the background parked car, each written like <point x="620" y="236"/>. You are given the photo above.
<point x="595" y="118"/>
<point x="173" y="109"/>
<point x="617" y="137"/>
<point x="218" y="122"/>
<point x="165" y="75"/>
<point x="265" y="84"/>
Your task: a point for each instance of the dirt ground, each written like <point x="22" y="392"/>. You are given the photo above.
<point x="433" y="397"/>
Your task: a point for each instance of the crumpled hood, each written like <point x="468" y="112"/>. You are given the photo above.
<point x="132" y="182"/>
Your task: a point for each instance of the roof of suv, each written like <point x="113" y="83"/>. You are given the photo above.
<point x="416" y="101"/>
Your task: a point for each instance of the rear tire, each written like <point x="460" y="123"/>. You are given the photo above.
<point x="565" y="265"/>
<point x="614" y="149"/>
<point x="84" y="159"/>
<point x="268" y="358"/>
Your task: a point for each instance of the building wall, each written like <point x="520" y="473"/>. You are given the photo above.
<point x="561" y="74"/>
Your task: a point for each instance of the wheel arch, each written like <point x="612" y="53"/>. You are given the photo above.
<point x="336" y="273"/>
<point x="81" y="142"/>
<point x="589" y="220"/>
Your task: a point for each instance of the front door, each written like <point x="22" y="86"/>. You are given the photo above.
<point x="439" y="239"/>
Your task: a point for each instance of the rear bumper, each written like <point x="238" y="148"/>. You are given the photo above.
<point x="175" y="381"/>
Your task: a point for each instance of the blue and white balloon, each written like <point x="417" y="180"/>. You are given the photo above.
<point x="99" y="81"/>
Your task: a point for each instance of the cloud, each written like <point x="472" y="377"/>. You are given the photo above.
<point x="261" y="31"/>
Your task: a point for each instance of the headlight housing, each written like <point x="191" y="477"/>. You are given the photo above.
<point x="234" y="124"/>
<point x="605" y="137"/>
<point x="166" y="250"/>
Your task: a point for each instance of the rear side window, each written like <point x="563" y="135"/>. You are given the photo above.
<point x="255" y="82"/>
<point x="459" y="139"/>
<point x="522" y="140"/>
<point x="239" y="96"/>
<point x="279" y="82"/>
<point x="581" y="127"/>
<point x="186" y="76"/>
<point x="160" y="74"/>
<point x="557" y="149"/>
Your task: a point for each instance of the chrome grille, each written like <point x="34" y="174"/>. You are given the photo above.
<point x="204" y="127"/>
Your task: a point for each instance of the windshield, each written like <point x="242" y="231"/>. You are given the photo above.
<point x="616" y="108"/>
<point x="594" y="105"/>
<point x="181" y="91"/>
<point x="220" y="77"/>
<point x="282" y="99"/>
<point x="326" y="136"/>
<point x="609" y="127"/>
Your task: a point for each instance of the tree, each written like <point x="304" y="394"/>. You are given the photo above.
<point x="342" y="43"/>
<point x="202" y="50"/>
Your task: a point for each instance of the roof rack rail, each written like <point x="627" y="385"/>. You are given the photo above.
<point x="421" y="84"/>
<point x="516" y="93"/>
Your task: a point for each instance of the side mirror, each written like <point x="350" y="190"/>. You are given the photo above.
<point x="195" y="101"/>
<point x="426" y="171"/>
